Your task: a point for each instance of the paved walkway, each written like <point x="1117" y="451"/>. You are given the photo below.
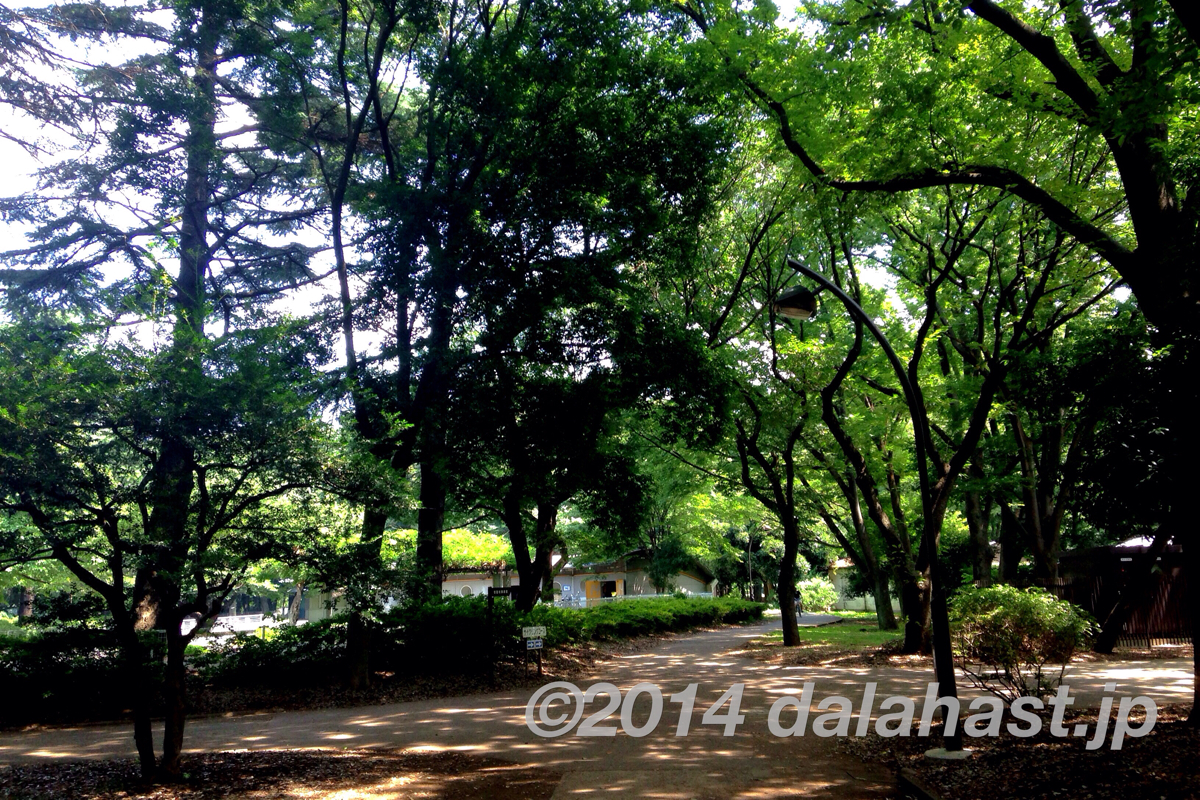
<point x="705" y="764"/>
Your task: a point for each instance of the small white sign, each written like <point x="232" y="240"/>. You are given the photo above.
<point x="533" y="632"/>
<point x="533" y="644"/>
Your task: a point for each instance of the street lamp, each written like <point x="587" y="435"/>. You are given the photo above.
<point x="801" y="303"/>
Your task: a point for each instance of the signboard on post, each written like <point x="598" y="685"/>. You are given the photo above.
<point x="500" y="591"/>
<point x="492" y="593"/>
<point x="533" y="644"/>
<point x="533" y="632"/>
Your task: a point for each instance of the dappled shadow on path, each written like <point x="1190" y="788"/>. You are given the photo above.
<point x="751" y="763"/>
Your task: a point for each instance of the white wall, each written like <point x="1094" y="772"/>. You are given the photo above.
<point x="846" y="603"/>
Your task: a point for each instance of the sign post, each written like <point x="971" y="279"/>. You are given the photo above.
<point x="492" y="593"/>
<point x="533" y="636"/>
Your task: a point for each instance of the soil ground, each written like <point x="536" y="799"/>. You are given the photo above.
<point x="286" y="774"/>
<point x="1161" y="766"/>
<point x="374" y="751"/>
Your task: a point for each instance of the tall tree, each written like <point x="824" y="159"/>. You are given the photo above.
<point x="159" y="223"/>
<point x="1117" y="73"/>
<point x="553" y="147"/>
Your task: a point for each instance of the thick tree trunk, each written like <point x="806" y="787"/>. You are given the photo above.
<point x="431" y="519"/>
<point x="884" y="615"/>
<point x="545" y="540"/>
<point x="529" y="569"/>
<point x="139" y="689"/>
<point x="297" y="602"/>
<point x="358" y="652"/>
<point x="358" y="632"/>
<point x="25" y="603"/>
<point x="881" y="593"/>
<point x="1012" y="545"/>
<point x="981" y="548"/>
<point x="432" y="398"/>
<point x="787" y="585"/>
<point x="914" y="605"/>
<point x="175" y="702"/>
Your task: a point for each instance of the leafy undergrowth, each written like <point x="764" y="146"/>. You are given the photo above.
<point x="566" y="662"/>
<point x="440" y="649"/>
<point x="279" y="774"/>
<point x="1159" y="766"/>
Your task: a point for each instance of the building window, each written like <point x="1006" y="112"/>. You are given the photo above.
<point x="466" y="591"/>
<point x="608" y="588"/>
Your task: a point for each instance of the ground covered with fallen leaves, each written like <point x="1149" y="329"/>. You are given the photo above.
<point x="1164" y="765"/>
<point x="287" y="774"/>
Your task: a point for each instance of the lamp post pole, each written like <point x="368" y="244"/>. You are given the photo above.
<point x="801" y="304"/>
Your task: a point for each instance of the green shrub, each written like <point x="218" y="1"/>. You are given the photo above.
<point x="452" y="635"/>
<point x="67" y="673"/>
<point x="290" y="657"/>
<point x="10" y="626"/>
<point x="817" y="594"/>
<point x="1005" y="637"/>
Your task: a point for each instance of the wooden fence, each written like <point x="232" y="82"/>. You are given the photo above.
<point x="1162" y="618"/>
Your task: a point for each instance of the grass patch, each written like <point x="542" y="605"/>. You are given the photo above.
<point x="864" y="616"/>
<point x="849" y="643"/>
<point x="840" y="635"/>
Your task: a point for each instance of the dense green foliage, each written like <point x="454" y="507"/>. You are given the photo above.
<point x="817" y="594"/>
<point x="454" y="635"/>
<point x="1005" y="638"/>
<point x="296" y="276"/>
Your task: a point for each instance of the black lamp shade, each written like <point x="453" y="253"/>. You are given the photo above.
<point x="796" y="303"/>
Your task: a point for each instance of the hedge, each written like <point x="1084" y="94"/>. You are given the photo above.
<point x="453" y="635"/>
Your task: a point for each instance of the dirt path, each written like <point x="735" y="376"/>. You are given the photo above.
<point x="705" y="764"/>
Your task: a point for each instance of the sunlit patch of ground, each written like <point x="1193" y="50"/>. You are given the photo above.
<point x="291" y="775"/>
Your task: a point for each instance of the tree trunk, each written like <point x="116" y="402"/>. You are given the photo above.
<point x="914" y="606"/>
<point x="1012" y="545"/>
<point x="431" y="521"/>
<point x="884" y="615"/>
<point x="914" y="594"/>
<point x="175" y="702"/>
<point x="981" y="549"/>
<point x="297" y="601"/>
<point x="894" y="532"/>
<point x="358" y="632"/>
<point x="139" y="689"/>
<point x="528" y="569"/>
<point x="358" y="652"/>
<point x="25" y="603"/>
<point x="545" y="540"/>
<point x="787" y="585"/>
